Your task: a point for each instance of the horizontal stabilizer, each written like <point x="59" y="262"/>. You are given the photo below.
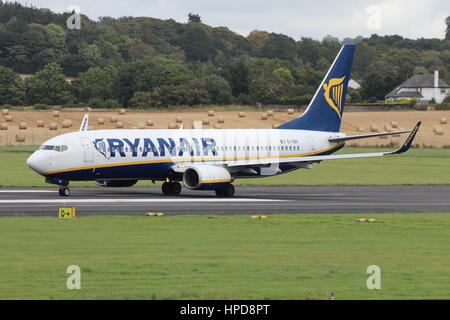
<point x="364" y="136"/>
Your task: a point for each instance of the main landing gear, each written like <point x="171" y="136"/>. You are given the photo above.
<point x="171" y="188"/>
<point x="64" y="191"/>
<point x="225" y="192"/>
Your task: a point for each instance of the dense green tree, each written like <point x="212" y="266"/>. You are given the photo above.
<point x="236" y="73"/>
<point x="47" y="86"/>
<point x="268" y="80"/>
<point x="277" y="46"/>
<point x="154" y="56"/>
<point x="192" y="17"/>
<point x="197" y="43"/>
<point x="11" y="87"/>
<point x="96" y="82"/>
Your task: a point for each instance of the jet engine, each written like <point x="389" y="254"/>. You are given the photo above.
<point x="206" y="177"/>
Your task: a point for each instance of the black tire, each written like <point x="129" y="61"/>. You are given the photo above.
<point x="175" y="188"/>
<point x="64" y="192"/>
<point x="227" y="192"/>
<point x="166" y="188"/>
<point x="219" y="192"/>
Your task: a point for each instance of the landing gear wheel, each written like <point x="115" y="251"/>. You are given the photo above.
<point x="64" y="191"/>
<point x="171" y="188"/>
<point x="166" y="188"/>
<point x="227" y="192"/>
<point x="175" y="188"/>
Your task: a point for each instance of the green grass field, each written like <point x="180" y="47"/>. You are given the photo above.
<point x="417" y="166"/>
<point x="226" y="257"/>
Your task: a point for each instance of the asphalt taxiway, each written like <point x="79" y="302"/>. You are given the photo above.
<point x="248" y="200"/>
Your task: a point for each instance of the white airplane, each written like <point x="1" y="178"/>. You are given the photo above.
<point x="207" y="159"/>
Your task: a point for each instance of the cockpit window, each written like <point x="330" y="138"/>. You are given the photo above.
<point x="54" y="148"/>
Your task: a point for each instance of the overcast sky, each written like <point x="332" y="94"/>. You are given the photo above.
<point x="315" y="19"/>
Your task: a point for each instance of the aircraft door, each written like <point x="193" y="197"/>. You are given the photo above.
<point x="88" y="150"/>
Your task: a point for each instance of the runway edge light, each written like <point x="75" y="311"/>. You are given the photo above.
<point x="67" y="212"/>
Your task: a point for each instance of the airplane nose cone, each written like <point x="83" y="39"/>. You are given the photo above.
<point x="37" y="162"/>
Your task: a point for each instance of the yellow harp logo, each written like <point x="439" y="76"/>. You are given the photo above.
<point x="334" y="91"/>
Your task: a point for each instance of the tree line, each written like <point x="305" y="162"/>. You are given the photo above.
<point x="146" y="62"/>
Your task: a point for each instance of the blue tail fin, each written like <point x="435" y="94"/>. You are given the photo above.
<point x="324" y="112"/>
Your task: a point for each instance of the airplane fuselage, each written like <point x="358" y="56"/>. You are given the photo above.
<point x="150" y="154"/>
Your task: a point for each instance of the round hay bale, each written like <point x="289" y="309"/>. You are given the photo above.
<point x="67" y="123"/>
<point x="373" y="128"/>
<point x="119" y="124"/>
<point x="270" y="113"/>
<point x="360" y="129"/>
<point x="149" y="123"/>
<point x="140" y="126"/>
<point x="394" y="124"/>
<point x="264" y="116"/>
<point x="178" y="119"/>
<point x="395" y="142"/>
<point x="443" y="120"/>
<point x="427" y="144"/>
<point x="217" y="126"/>
<point x="23" y="125"/>
<point x="220" y="120"/>
<point x="290" y="111"/>
<point x="5" y="112"/>
<point x="8" y="118"/>
<point x="205" y="122"/>
<point x="241" y="114"/>
<point x="172" y="126"/>
<point x="87" y="109"/>
<point x="101" y="121"/>
<point x="431" y="108"/>
<point x="121" y="111"/>
<point x="113" y="119"/>
<point x="211" y="113"/>
<point x="387" y="128"/>
<point x="438" y="131"/>
<point x="40" y="123"/>
<point x="55" y="113"/>
<point x="20" y="137"/>
<point x="3" y="126"/>
<point x="53" y="126"/>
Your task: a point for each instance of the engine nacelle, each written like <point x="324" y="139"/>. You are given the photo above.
<point x="206" y="177"/>
<point x="116" y="183"/>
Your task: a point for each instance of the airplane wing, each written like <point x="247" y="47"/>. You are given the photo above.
<point x="311" y="159"/>
<point x="364" y="136"/>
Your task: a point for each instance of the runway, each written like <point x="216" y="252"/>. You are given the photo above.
<point x="248" y="200"/>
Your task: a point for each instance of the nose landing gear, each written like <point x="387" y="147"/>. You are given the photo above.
<point x="64" y="191"/>
<point x="171" y="188"/>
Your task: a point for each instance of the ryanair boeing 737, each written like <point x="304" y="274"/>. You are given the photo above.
<point x="207" y="159"/>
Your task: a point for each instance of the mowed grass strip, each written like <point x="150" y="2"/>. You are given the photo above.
<point x="226" y="257"/>
<point x="417" y="166"/>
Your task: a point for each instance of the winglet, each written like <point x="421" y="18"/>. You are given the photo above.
<point x="408" y="142"/>
<point x="85" y="122"/>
